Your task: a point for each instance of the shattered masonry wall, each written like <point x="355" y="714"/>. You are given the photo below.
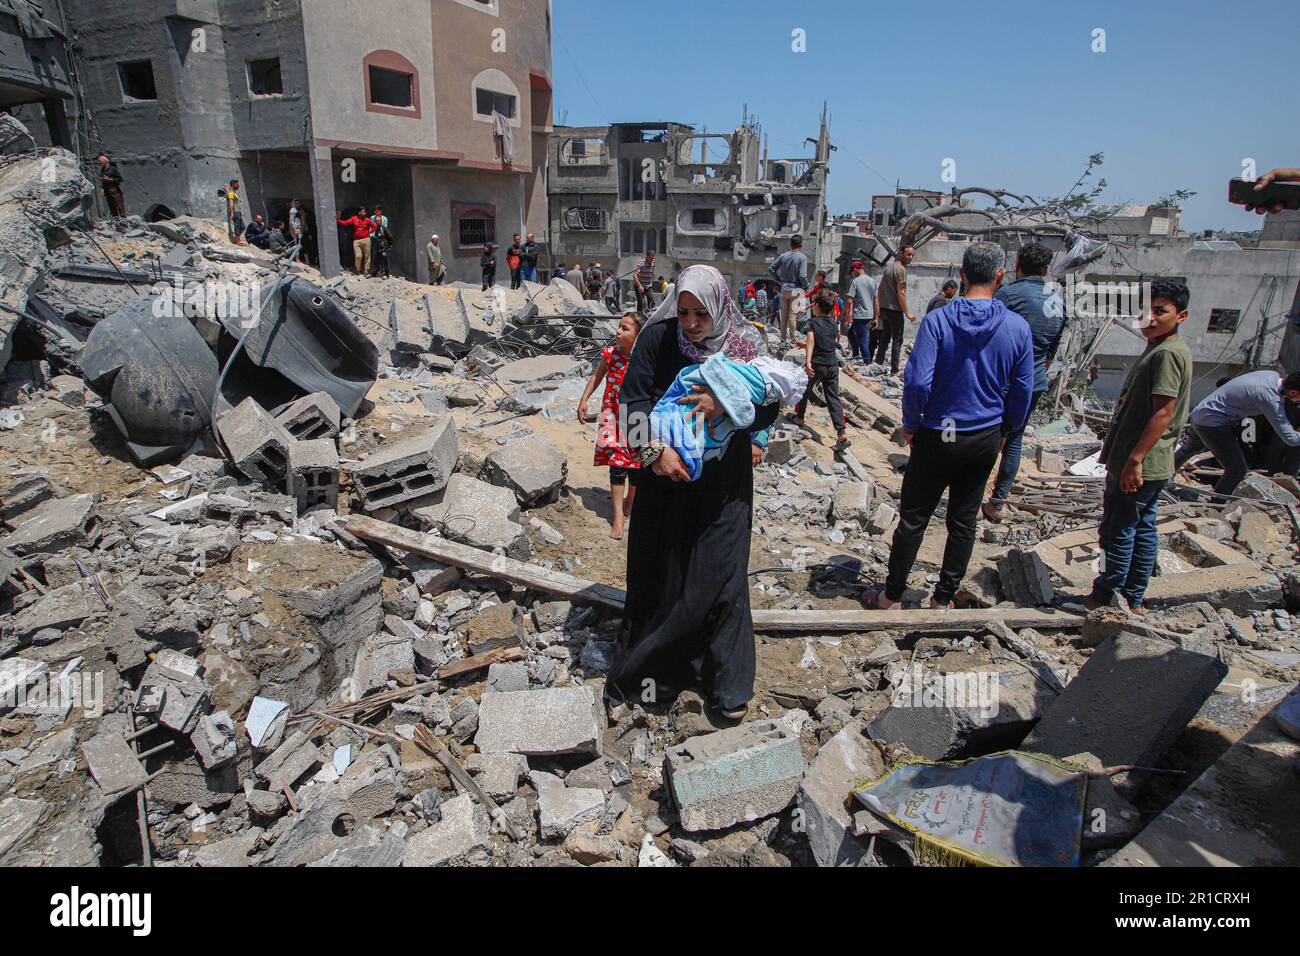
<point x="176" y="151"/>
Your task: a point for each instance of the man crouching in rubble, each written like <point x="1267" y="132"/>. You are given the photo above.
<point x="1139" y="449"/>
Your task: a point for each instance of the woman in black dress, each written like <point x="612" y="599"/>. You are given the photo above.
<point x="687" y="621"/>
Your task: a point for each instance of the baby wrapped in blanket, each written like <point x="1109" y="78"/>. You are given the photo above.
<point x="733" y="364"/>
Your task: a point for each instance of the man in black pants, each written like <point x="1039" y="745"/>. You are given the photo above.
<point x="967" y="385"/>
<point x="891" y="301"/>
<point x="823" y="364"/>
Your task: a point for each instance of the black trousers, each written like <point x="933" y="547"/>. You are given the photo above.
<point x="891" y="338"/>
<point x="489" y="278"/>
<point x="959" y="465"/>
<point x="516" y="279"/>
<point x="829" y="377"/>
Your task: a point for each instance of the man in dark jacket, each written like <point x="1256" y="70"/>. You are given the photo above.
<point x="111" y="180"/>
<point x="1033" y="300"/>
<point x="488" y="263"/>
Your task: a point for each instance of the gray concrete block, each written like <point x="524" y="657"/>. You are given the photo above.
<point x="1024" y="578"/>
<point x="559" y="720"/>
<point x="258" y="444"/>
<point x="314" y="474"/>
<point x="826" y="792"/>
<point x="853" y="502"/>
<point x="214" y="740"/>
<point x="410" y="469"/>
<point x="290" y="761"/>
<point x="504" y="678"/>
<point x="531" y="467"/>
<point x="478" y="514"/>
<point x="461" y="838"/>
<point x="497" y="774"/>
<point x="55" y="525"/>
<point x="313" y="416"/>
<point x="561" y="809"/>
<point x="956" y="714"/>
<point x="1129" y="702"/>
<point x="378" y="656"/>
<point x="735" y="775"/>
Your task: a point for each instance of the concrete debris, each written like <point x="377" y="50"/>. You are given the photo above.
<point x="532" y="468"/>
<point x="541" y="723"/>
<point x="736" y="775"/>
<point x="224" y="592"/>
<point x="1024" y="579"/>
<point x="952" y="714"/>
<point x="410" y="469"/>
<point x="1129" y="702"/>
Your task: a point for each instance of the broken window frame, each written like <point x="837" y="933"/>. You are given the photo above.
<point x="125" y="80"/>
<point x="1217" y="321"/>
<point x="250" y="72"/>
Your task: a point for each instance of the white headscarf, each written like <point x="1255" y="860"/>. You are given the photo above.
<point x="732" y="334"/>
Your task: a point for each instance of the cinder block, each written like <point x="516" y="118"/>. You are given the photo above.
<point x="478" y="514"/>
<point x="314" y="473"/>
<point x="1129" y="702"/>
<point x="258" y="444"/>
<point x="734" y="776"/>
<point x="412" y="468"/>
<point x="313" y="416"/>
<point x="853" y="502"/>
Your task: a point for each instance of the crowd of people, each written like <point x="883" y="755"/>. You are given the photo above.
<point x="976" y="372"/>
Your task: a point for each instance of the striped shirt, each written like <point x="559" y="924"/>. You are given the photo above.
<point x="645" y="271"/>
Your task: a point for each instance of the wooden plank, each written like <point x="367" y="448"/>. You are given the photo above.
<point x="501" y="655"/>
<point x="426" y="741"/>
<point x="775" y="622"/>
<point x="921" y="619"/>
<point x="473" y="559"/>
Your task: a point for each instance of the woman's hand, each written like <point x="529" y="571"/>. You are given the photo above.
<point x="669" y="465"/>
<point x="703" y="405"/>
<point x="582" y="411"/>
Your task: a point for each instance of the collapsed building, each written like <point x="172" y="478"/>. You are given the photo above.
<point x="306" y="100"/>
<point x="691" y="197"/>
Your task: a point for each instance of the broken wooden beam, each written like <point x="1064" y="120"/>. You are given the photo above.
<point x="580" y="590"/>
<point x="917" y="619"/>
<point x="462" y="556"/>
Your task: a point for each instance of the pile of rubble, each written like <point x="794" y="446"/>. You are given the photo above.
<point x="324" y="580"/>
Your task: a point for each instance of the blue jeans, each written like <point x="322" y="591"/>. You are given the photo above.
<point x="1129" y="541"/>
<point x="1011" y="456"/>
<point x="529" y="273"/>
<point x="859" y="334"/>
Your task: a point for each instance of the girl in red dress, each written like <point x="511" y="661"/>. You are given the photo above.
<point x="611" y="452"/>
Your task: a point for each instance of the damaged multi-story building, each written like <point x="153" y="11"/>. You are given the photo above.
<point x="1245" y="297"/>
<point x="617" y="192"/>
<point x="34" y="72"/>
<point x="437" y="110"/>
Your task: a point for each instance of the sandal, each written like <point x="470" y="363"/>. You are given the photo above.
<point x="738" y="714"/>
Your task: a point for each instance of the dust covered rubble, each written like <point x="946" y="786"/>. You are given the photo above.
<point x="219" y="603"/>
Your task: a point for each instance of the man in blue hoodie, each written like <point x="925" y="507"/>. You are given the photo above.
<point x="967" y="385"/>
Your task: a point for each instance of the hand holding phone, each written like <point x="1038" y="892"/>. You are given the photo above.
<point x="1274" y="191"/>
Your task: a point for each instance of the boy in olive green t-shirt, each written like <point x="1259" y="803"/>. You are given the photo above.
<point x="1139" y="449"/>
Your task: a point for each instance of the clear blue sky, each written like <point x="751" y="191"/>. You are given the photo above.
<point x="1010" y="89"/>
